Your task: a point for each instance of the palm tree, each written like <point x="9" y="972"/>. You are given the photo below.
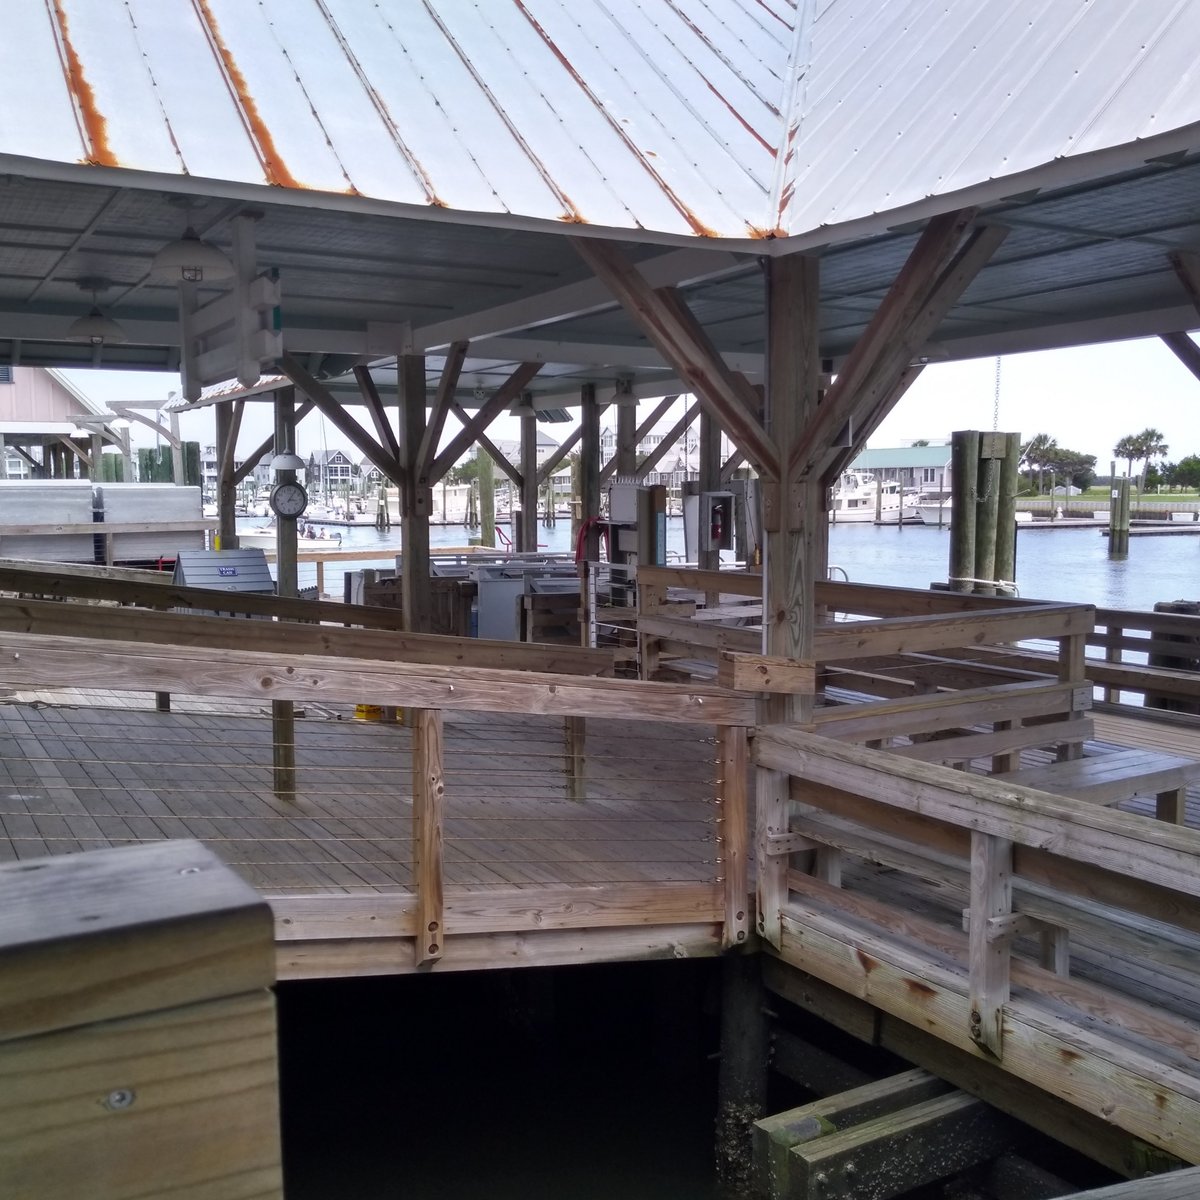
<point x="1141" y="447"/>
<point x="1038" y="453"/>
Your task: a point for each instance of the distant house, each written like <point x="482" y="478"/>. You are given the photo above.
<point x="41" y="415"/>
<point x="331" y="470"/>
<point x="921" y="468"/>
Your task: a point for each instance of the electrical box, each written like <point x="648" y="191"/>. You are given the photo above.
<point x="623" y="501"/>
<point x="716" y="521"/>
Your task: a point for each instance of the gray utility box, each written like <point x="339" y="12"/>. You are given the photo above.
<point x="501" y="589"/>
<point x="223" y="571"/>
<point x="150" y="504"/>
<point x="47" y="506"/>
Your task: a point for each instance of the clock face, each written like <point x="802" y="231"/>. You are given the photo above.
<point x="289" y="499"/>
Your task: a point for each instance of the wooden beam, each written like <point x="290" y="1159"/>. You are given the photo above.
<point x="497" y="456"/>
<point x="643" y="430"/>
<point x="55" y="619"/>
<point x="551" y="464"/>
<point x="266" y="446"/>
<point x="867" y="426"/>
<point x="651" y="461"/>
<point x="28" y="660"/>
<point x="1181" y="345"/>
<point x="429" y="790"/>
<point x="455" y="358"/>
<point x="589" y="472"/>
<point x="374" y="405"/>
<point x="991" y="902"/>
<point x="495" y="404"/>
<point x="733" y="841"/>
<point x="690" y="353"/>
<point x="329" y="407"/>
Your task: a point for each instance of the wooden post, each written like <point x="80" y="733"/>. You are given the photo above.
<point x="529" y="486"/>
<point x="1118" y="520"/>
<point x="415" y="498"/>
<point x="1006" y="512"/>
<point x="987" y="509"/>
<point x="138" y="1041"/>
<point x="283" y="712"/>
<point x="228" y="417"/>
<point x="575" y="731"/>
<point x="589" y="496"/>
<point x="486" y="477"/>
<point x="428" y="797"/>
<point x="989" y="939"/>
<point x="964" y="459"/>
<point x="709" y="481"/>
<point x="733" y="835"/>
<point x="626" y="438"/>
<point x="742" y="1074"/>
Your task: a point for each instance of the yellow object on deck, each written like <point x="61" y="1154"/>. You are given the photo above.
<point x="379" y="712"/>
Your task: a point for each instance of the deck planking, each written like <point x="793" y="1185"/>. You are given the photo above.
<point x="75" y="777"/>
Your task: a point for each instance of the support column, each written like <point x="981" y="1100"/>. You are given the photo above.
<point x="177" y="469"/>
<point x="709" y="477"/>
<point x="416" y="498"/>
<point x="226" y="491"/>
<point x="283" y="715"/>
<point x="626" y="437"/>
<point x="589" y="464"/>
<point x="529" y="485"/>
<point x="3" y="458"/>
<point x="97" y="443"/>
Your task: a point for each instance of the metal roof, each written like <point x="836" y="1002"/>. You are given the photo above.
<point x="415" y="164"/>
<point x="711" y="118"/>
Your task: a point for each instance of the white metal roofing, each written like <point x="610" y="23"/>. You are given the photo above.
<point x="726" y="118"/>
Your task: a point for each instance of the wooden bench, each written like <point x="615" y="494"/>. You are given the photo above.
<point x="1117" y="775"/>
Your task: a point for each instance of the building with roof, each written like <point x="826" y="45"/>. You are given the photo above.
<point x="923" y="468"/>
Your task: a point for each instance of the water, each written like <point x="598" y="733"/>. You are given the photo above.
<point x="1052" y="564"/>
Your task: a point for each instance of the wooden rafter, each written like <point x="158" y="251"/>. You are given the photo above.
<point x="660" y="410"/>
<point x="925" y="290"/>
<point x="265" y="447"/>
<point x="229" y="446"/>
<point x="374" y="405"/>
<point x="455" y="357"/>
<point x="550" y="465"/>
<point x="83" y="455"/>
<point x="131" y="414"/>
<point x="493" y="451"/>
<point x="647" y="464"/>
<point x="664" y="319"/>
<point x="863" y="434"/>
<point x="731" y="464"/>
<point x="1184" y="349"/>
<point x="328" y="406"/>
<point x="1187" y="267"/>
<point x="495" y="404"/>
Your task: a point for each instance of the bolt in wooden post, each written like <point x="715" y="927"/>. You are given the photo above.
<point x="429" y="790"/>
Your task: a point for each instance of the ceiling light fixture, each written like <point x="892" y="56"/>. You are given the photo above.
<point x="190" y="260"/>
<point x="287" y="461"/>
<point x="96" y="328"/>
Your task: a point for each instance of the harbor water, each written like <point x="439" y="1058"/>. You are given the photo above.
<point x="1052" y="563"/>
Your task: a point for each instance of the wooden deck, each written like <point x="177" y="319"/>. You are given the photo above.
<point x="82" y="770"/>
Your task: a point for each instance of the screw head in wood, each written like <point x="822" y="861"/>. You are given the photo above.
<point x="120" y="1098"/>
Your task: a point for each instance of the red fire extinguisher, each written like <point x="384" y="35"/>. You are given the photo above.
<point x="717" y="526"/>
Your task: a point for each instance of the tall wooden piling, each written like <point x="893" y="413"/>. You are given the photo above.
<point x="487" y="497"/>
<point x="964" y="459"/>
<point x="1006" y="510"/>
<point x="987" y="509"/>
<point x="1118" y="519"/>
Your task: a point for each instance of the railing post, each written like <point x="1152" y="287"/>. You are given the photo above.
<point x="429" y="791"/>
<point x="575" y="732"/>
<point x="733" y="839"/>
<point x="990" y="937"/>
<point x="1072" y="653"/>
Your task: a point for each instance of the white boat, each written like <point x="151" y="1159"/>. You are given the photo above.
<point x="859" y="495"/>
<point x="260" y="538"/>
<point x="935" y="512"/>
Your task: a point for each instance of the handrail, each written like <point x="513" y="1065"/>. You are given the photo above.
<point x="1029" y="865"/>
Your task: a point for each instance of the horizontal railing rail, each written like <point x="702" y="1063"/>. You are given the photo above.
<point x="1054" y="936"/>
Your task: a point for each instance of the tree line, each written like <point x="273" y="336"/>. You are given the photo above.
<point x="1043" y="455"/>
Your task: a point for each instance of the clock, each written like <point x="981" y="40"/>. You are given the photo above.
<point x="288" y="499"/>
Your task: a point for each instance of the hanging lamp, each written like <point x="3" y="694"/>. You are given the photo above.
<point x="189" y="259"/>
<point x="96" y="328"/>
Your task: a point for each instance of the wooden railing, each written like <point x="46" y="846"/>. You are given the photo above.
<point x="695" y="906"/>
<point x="1079" y="969"/>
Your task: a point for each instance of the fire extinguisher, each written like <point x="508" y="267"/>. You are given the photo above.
<point x="717" y="526"/>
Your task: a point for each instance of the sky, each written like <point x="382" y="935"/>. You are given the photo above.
<point x="1086" y="398"/>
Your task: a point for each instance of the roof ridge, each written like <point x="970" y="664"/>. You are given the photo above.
<point x="792" y="109"/>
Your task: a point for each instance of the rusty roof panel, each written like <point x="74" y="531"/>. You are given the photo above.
<point x="726" y="118"/>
